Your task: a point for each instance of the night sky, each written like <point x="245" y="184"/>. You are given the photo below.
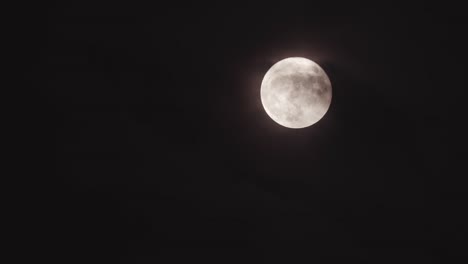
<point x="164" y="153"/>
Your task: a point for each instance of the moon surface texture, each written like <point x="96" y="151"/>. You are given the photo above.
<point x="296" y="92"/>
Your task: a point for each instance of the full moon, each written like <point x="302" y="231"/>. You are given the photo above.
<point x="296" y="92"/>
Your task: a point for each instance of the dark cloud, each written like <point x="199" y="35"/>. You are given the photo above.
<point x="165" y="154"/>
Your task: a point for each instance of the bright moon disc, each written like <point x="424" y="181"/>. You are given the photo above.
<point x="296" y="92"/>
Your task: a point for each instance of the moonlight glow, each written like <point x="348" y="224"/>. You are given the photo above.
<point x="296" y="92"/>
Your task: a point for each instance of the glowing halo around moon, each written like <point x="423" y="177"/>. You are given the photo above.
<point x="296" y="92"/>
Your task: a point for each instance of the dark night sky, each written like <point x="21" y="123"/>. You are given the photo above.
<point x="164" y="153"/>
